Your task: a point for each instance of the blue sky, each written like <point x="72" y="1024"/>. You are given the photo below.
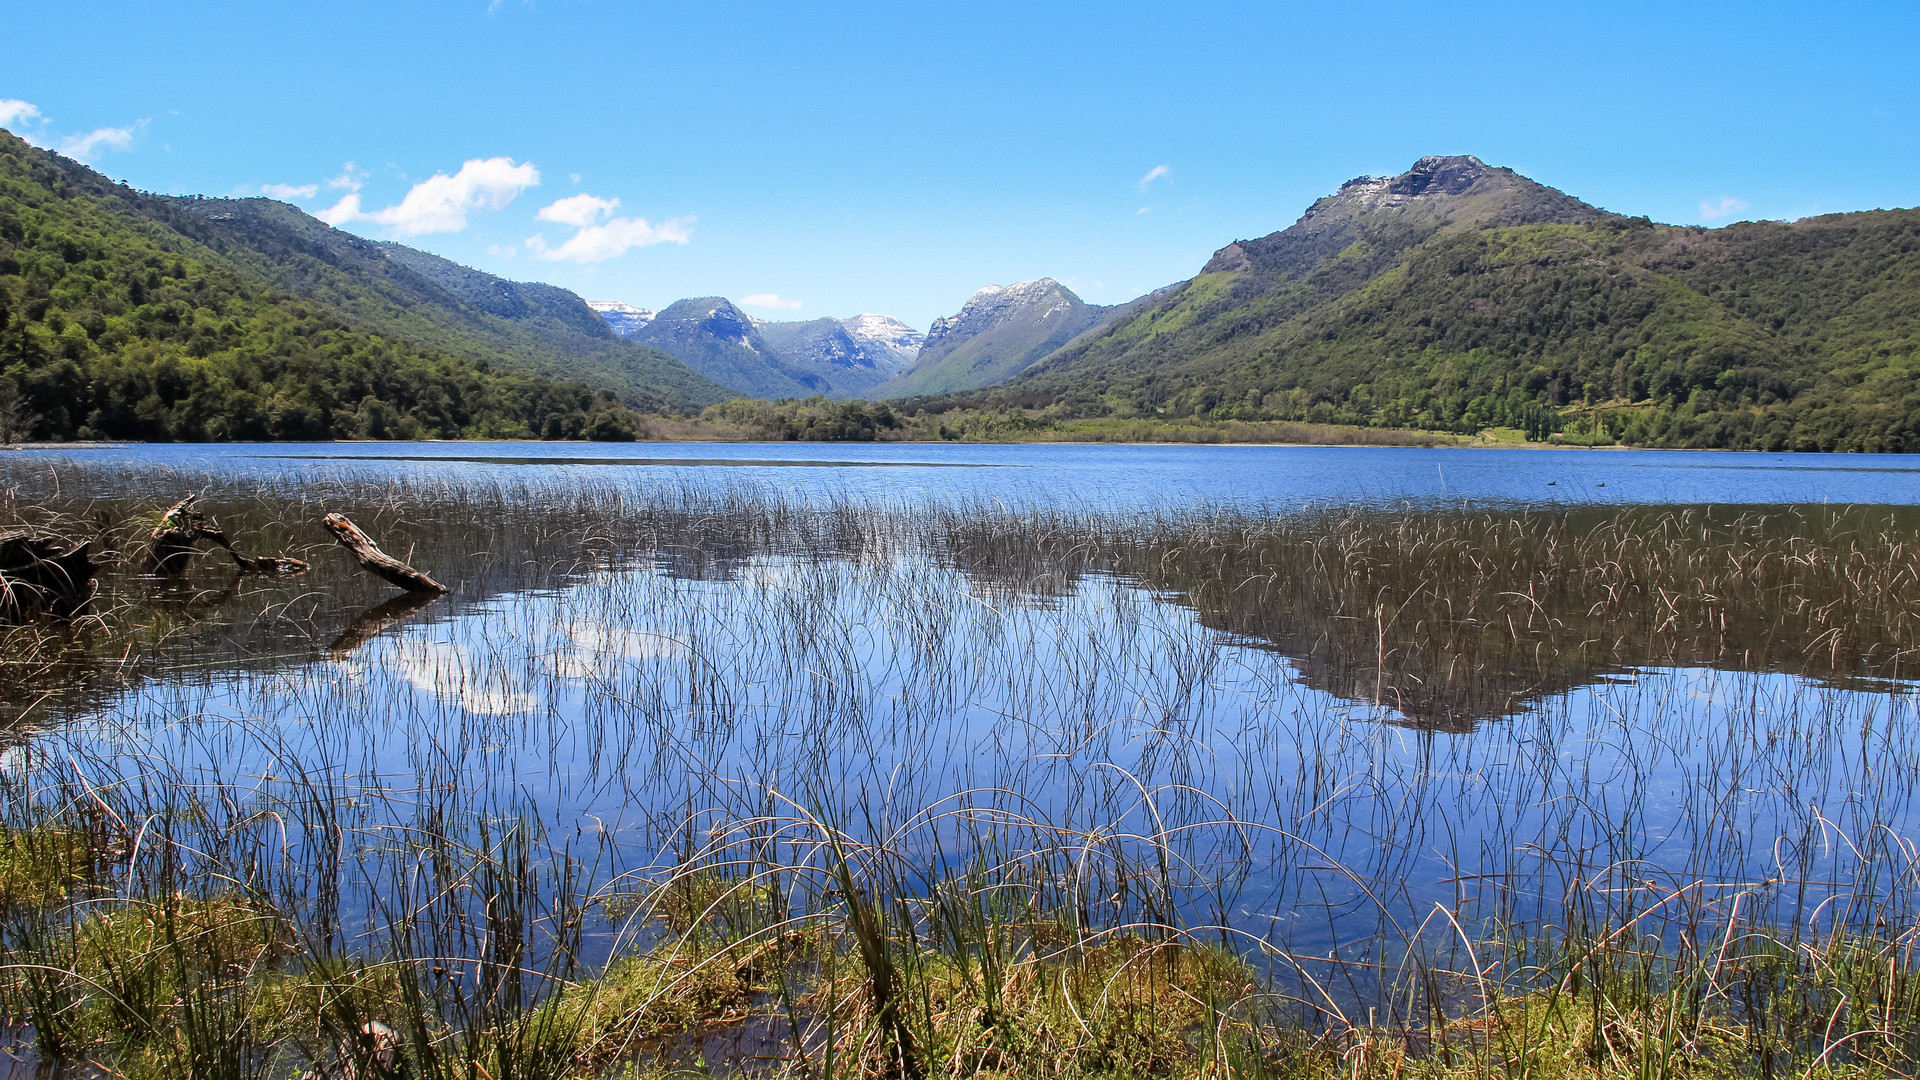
<point x="834" y="159"/>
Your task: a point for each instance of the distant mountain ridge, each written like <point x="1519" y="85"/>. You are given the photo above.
<point x="850" y="355"/>
<point x="997" y="334"/>
<point x="762" y="358"/>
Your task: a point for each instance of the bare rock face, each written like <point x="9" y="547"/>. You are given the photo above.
<point x="1441" y="175"/>
<point x="1041" y="302"/>
<point x="1231" y="257"/>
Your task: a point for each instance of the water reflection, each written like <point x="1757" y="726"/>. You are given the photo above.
<point x="1679" y="697"/>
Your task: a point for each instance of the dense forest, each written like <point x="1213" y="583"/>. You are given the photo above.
<point x="1760" y="335"/>
<point x="113" y="325"/>
<point x="811" y="419"/>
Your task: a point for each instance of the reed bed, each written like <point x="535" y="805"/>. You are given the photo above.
<point x="709" y="779"/>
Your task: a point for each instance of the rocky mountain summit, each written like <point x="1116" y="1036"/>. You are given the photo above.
<point x="1396" y="212"/>
<point x="994" y="306"/>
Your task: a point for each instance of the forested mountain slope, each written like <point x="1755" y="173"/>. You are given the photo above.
<point x="1459" y="296"/>
<point x="118" y="321"/>
<point x="400" y="291"/>
<point x="998" y="333"/>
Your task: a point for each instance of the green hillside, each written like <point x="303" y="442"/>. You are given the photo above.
<point x="117" y="321"/>
<point x="401" y="292"/>
<point x="1459" y="297"/>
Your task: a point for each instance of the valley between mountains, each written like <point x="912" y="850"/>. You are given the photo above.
<point x="1456" y="299"/>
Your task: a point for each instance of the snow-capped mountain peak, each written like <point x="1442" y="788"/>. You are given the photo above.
<point x="994" y="304"/>
<point x="887" y="337"/>
<point x="624" y="320"/>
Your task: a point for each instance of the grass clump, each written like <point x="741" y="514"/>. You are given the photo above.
<point x="41" y="867"/>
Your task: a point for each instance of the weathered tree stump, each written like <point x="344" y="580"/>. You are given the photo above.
<point x="174" y="540"/>
<point x="44" y="574"/>
<point x="377" y="562"/>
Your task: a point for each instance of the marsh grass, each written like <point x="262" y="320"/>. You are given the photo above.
<point x="924" y="790"/>
<point x="1453" y="617"/>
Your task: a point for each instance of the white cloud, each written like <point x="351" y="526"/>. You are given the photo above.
<point x="441" y="203"/>
<point x="770" y="300"/>
<point x="18" y="114"/>
<point x="613" y="237"/>
<point x="502" y="251"/>
<point x="14" y="111"/>
<point x="1144" y="210"/>
<point x="1723" y="207"/>
<point x="289" y="191"/>
<point x="349" y="179"/>
<point x="578" y="210"/>
<point x="1158" y="172"/>
<point x="82" y="147"/>
<point x="347" y="209"/>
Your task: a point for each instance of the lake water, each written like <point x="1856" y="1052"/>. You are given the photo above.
<point x="1092" y="475"/>
<point x="636" y="658"/>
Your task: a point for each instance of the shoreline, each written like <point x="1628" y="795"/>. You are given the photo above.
<point x="1462" y="443"/>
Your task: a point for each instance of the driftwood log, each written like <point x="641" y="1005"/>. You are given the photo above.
<point x="44" y="574"/>
<point x="377" y="562"/>
<point x="182" y="527"/>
